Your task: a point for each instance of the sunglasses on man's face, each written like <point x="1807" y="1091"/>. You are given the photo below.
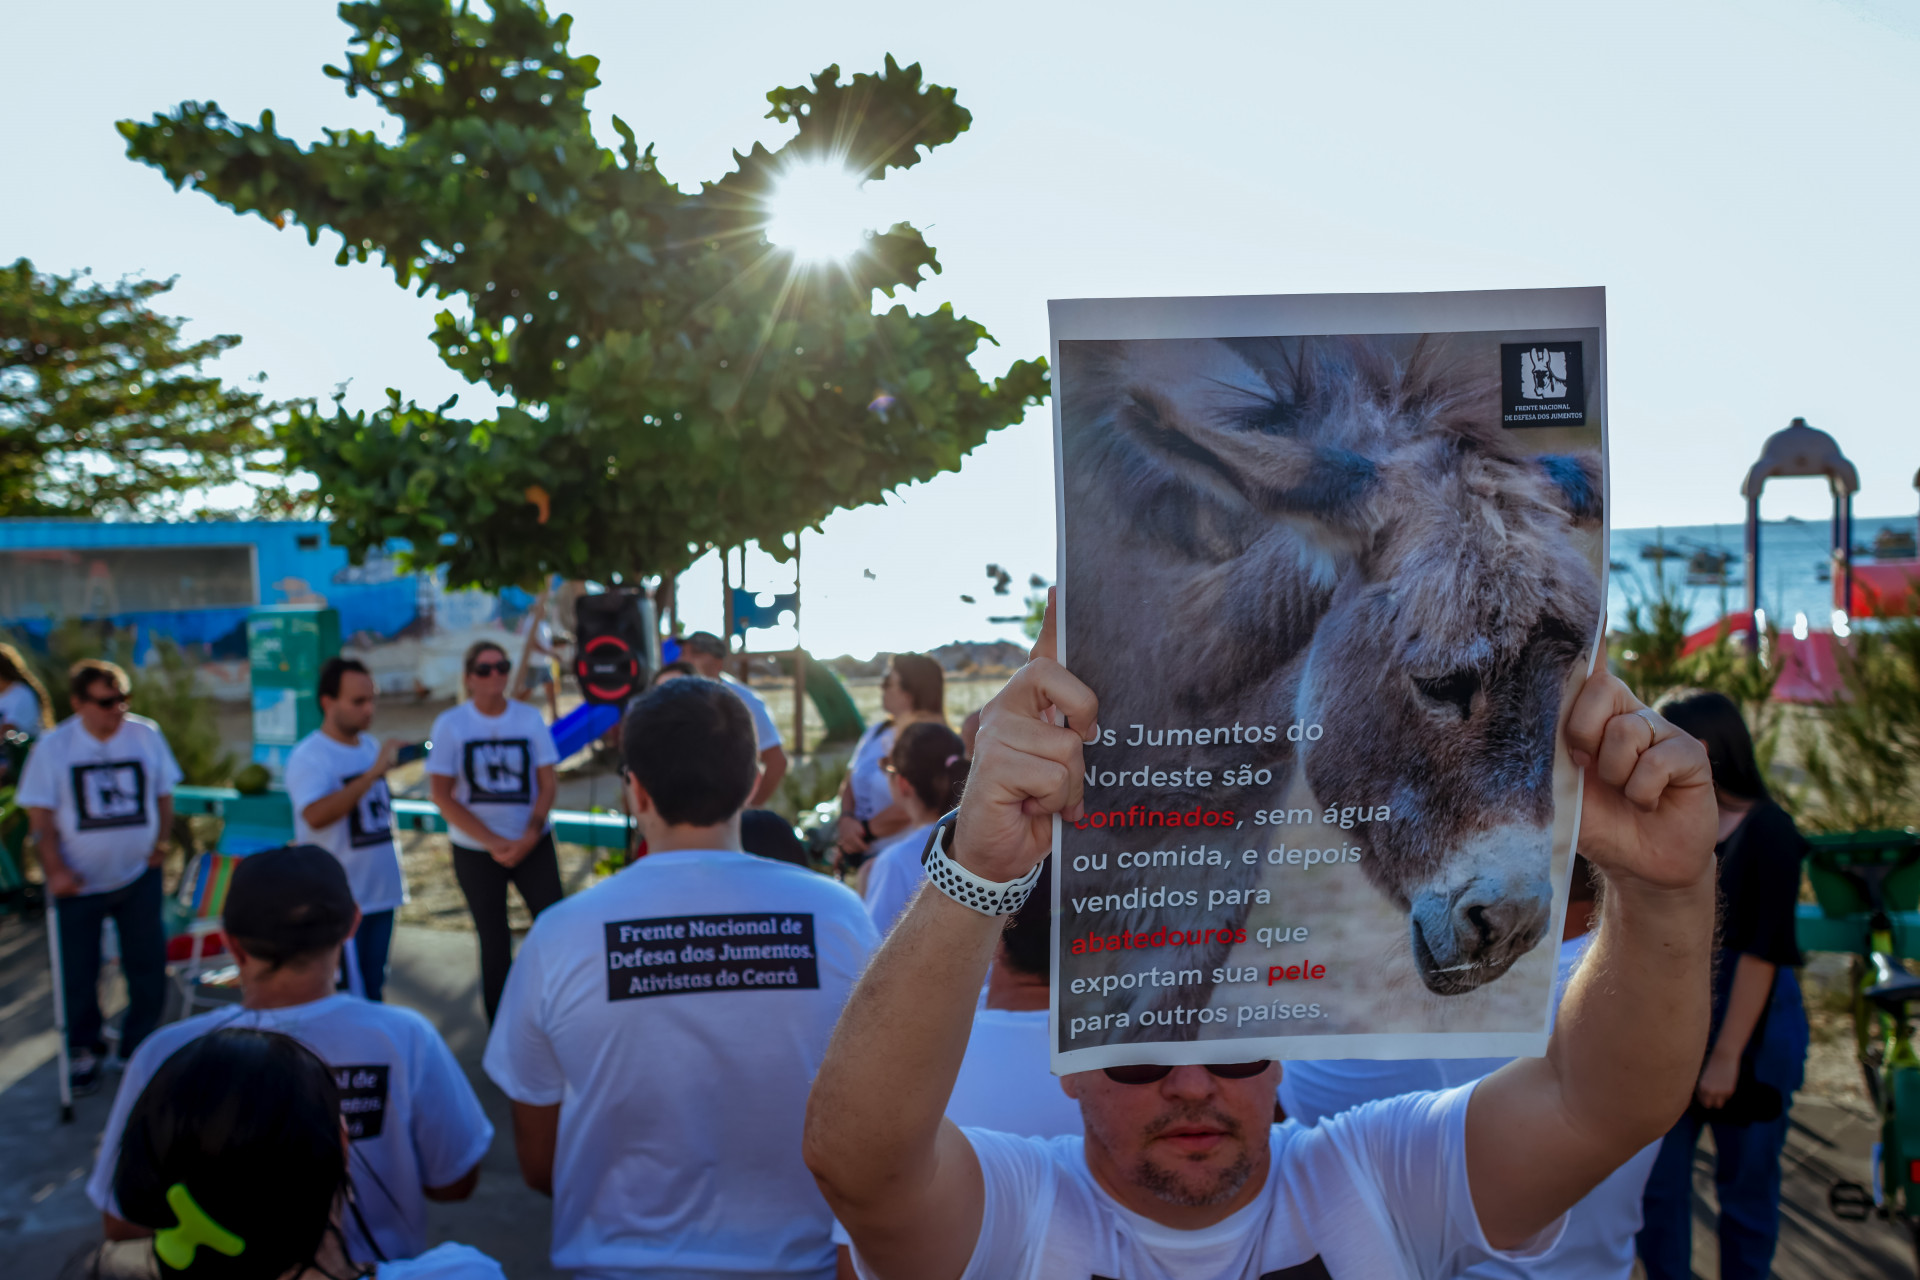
<point x="492" y="668"/>
<point x="110" y="702"/>
<point x="1154" y="1074"/>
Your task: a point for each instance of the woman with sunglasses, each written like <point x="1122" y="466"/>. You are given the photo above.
<point x="491" y="766"/>
<point x="927" y="770"/>
<point x="912" y="692"/>
<point x="1180" y="1171"/>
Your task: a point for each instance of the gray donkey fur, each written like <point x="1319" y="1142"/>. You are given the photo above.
<point x="1332" y="532"/>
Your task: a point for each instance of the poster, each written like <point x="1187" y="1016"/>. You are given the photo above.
<point x="1335" y="566"/>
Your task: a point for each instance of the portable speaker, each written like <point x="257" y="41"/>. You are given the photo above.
<point x="613" y="646"/>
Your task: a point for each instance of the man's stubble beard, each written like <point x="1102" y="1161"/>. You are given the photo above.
<point x="1167" y="1185"/>
<point x="1163" y="1185"/>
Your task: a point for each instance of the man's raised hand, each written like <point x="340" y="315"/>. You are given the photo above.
<point x="1648" y="808"/>
<point x="1026" y="767"/>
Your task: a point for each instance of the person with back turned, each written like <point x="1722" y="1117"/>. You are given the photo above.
<point x="415" y="1129"/>
<point x="1180" y="1171"/>
<point x="658" y="1031"/>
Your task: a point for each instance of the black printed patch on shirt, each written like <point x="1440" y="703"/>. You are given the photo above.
<point x="363" y="1099"/>
<point x="371" y="821"/>
<point x="112" y="793"/>
<point x="499" y="771"/>
<point x="673" y="955"/>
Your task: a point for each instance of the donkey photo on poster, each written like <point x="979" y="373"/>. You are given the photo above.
<point x="1333" y="604"/>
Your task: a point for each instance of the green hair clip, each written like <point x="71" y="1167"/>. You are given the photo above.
<point x="177" y="1244"/>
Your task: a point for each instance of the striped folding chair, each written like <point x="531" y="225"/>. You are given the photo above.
<point x="196" y="948"/>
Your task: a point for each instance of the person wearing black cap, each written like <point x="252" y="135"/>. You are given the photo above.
<point x="416" y="1128"/>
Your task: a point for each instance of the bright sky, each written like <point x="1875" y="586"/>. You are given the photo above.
<point x="1742" y="177"/>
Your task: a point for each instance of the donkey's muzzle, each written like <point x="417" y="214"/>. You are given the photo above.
<point x="1466" y="937"/>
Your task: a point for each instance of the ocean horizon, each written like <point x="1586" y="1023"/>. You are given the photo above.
<point x="1705" y="565"/>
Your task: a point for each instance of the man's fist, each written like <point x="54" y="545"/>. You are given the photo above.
<point x="1027" y="766"/>
<point x="1647" y="809"/>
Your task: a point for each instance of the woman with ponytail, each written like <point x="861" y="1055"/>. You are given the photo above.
<point x="927" y="771"/>
<point x="24" y="704"/>
<point x="234" y="1164"/>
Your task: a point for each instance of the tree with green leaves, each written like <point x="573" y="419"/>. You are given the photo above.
<point x="1648" y="652"/>
<point x="104" y="409"/>
<point x="674" y="382"/>
<point x="1862" y="759"/>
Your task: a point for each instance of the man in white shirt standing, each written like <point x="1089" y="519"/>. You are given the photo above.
<point x="706" y="653"/>
<point x="98" y="791"/>
<point x="415" y="1128"/>
<point x="337" y="781"/>
<point x="659" y="1030"/>
<point x="1180" y="1172"/>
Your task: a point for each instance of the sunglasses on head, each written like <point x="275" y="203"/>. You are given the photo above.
<point x="1148" y="1074"/>
<point x="499" y="668"/>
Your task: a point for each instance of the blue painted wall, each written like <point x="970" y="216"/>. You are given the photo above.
<point x="374" y="600"/>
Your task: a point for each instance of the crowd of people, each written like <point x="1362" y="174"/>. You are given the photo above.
<point x="721" y="1062"/>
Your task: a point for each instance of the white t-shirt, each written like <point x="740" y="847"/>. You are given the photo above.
<point x="1598" y="1241"/>
<point x="895" y="876"/>
<point x="413" y="1119"/>
<point x="1006" y="1081"/>
<point x="493" y="761"/>
<point x="105" y="797"/>
<point x="443" y="1262"/>
<point x="1379" y="1193"/>
<point x="363" y="840"/>
<point x="765" y="730"/>
<point x="20" y="708"/>
<point x="872" y="791"/>
<point x="683" y="1080"/>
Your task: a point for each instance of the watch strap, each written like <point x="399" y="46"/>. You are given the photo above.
<point x="988" y="897"/>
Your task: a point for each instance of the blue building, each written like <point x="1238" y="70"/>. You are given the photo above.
<point x="196" y="582"/>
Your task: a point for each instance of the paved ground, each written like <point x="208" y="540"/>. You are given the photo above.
<point x="45" y="1216"/>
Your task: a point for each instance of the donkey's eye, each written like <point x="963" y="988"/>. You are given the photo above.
<point x="1455" y="689"/>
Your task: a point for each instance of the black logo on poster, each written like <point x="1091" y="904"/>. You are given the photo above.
<point x="363" y="1099"/>
<point x="371" y="821"/>
<point x="672" y="955"/>
<point x="499" y="771"/>
<point x="1542" y="384"/>
<point x="113" y="794"/>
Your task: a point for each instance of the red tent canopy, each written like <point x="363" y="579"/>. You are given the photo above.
<point x="1884" y="590"/>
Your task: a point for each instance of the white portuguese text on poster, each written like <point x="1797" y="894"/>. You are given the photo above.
<point x="1335" y="567"/>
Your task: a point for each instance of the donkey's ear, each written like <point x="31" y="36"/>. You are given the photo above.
<point x="1577" y="478"/>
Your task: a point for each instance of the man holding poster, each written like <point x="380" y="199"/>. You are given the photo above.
<point x="1334" y="567"/>
<point x="1180" y="1173"/>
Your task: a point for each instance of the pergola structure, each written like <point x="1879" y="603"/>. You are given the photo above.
<point x="1801" y="450"/>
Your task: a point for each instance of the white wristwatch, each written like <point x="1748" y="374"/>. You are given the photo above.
<point x="988" y="897"/>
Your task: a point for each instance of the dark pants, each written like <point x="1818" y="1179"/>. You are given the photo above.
<point x="135" y="909"/>
<point x="484" y="882"/>
<point x="1746" y="1174"/>
<point x="371" y="943"/>
<point x="1746" y="1178"/>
